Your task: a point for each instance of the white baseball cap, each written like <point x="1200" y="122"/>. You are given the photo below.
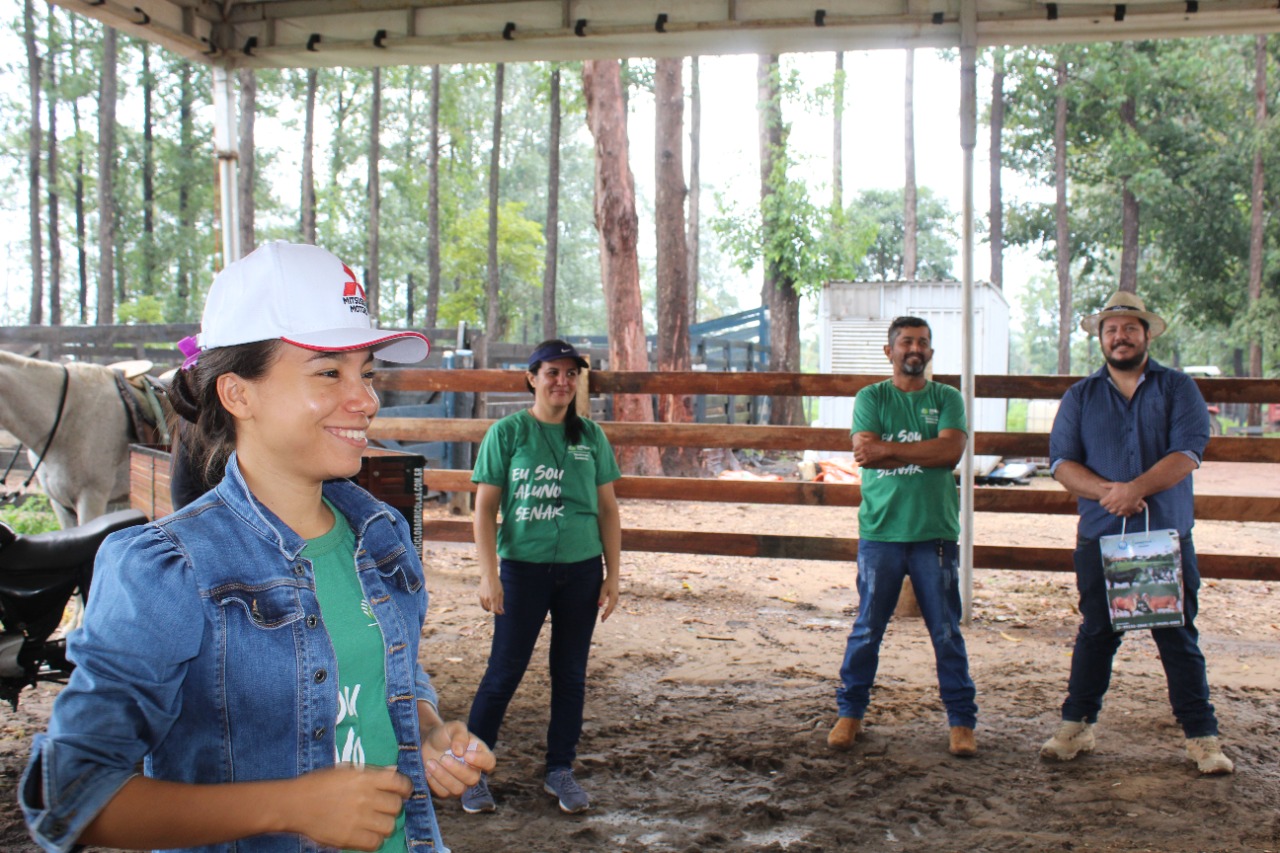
<point x="302" y="295"/>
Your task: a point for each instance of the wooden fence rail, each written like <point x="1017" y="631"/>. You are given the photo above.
<point x="785" y="384"/>
<point x="744" y="436"/>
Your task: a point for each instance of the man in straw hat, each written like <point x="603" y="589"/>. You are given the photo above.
<point x="1125" y="441"/>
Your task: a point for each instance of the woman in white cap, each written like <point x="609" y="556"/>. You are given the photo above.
<point x="257" y="651"/>
<point x="551" y="473"/>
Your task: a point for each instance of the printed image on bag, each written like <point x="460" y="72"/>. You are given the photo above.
<point x="1143" y="573"/>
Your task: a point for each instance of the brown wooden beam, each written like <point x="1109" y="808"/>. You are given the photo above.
<point x="1233" y="566"/>
<point x="773" y="384"/>
<point x="793" y="493"/>
<point x="1008" y="444"/>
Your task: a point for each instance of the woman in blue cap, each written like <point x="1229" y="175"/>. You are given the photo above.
<point x="550" y="472"/>
<point x="257" y="651"/>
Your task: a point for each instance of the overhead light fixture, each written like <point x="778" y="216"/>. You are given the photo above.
<point x="1119" y="12"/>
<point x="1051" y="9"/>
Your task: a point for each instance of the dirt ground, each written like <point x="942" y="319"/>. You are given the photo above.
<point x="712" y="688"/>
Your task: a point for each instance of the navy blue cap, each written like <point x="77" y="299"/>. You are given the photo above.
<point x="553" y="350"/>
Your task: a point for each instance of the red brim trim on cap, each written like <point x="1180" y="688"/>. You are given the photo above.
<point x="375" y="344"/>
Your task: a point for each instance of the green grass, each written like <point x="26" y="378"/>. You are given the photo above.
<point x="32" y="516"/>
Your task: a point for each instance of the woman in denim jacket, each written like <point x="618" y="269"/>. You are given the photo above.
<point x="220" y="643"/>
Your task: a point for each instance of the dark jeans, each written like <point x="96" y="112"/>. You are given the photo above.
<point x="1096" y="645"/>
<point x="933" y="567"/>
<point x="570" y="592"/>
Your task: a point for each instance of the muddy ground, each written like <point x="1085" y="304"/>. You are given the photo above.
<point x="711" y="692"/>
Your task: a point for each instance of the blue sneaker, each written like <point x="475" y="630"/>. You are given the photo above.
<point x="561" y="784"/>
<point x="477" y="798"/>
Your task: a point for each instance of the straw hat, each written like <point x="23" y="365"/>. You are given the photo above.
<point x="1123" y="303"/>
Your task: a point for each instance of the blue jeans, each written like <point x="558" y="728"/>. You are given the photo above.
<point x="1096" y="645"/>
<point x="932" y="566"/>
<point x="570" y="592"/>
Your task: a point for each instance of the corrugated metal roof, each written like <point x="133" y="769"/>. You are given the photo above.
<point x="294" y="33"/>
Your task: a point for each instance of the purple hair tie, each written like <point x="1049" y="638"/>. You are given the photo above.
<point x="189" y="347"/>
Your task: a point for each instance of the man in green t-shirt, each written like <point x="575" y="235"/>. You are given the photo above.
<point x="908" y="434"/>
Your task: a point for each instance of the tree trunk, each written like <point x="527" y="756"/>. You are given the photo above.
<point x="909" y="193"/>
<point x="36" y="313"/>
<point x="837" y="136"/>
<point x="373" y="270"/>
<point x="672" y="255"/>
<point x="996" y="211"/>
<point x="433" y="204"/>
<point x="106" y="180"/>
<point x="186" y="214"/>
<point x="308" y="214"/>
<point x="778" y="293"/>
<point x="51" y="147"/>
<point x="245" y="157"/>
<point x="148" y="174"/>
<point x="1257" y="247"/>
<point x="82" y="237"/>
<point x="550" y="322"/>
<point x="618" y="226"/>
<point x="695" y="186"/>
<point x="1065" y="316"/>
<point x="1129" y="213"/>
<point x="493" y="330"/>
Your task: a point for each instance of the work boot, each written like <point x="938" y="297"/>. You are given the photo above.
<point x="845" y="733"/>
<point x="963" y="742"/>
<point x="1072" y="738"/>
<point x="1207" y="755"/>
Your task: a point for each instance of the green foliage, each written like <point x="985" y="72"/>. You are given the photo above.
<point x="464" y="261"/>
<point x="882" y="213"/>
<point x="804" y="242"/>
<point x="33" y="515"/>
<point x="141" y="309"/>
<point x="1172" y="122"/>
<point x="1016" y="416"/>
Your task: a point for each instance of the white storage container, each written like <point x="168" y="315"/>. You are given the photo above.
<point x="854" y="318"/>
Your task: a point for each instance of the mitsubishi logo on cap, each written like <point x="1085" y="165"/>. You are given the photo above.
<point x="353" y="293"/>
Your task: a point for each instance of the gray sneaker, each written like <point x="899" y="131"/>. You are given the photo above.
<point x="561" y="784"/>
<point x="477" y="798"/>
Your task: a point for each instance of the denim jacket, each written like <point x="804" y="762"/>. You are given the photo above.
<point x="204" y="655"/>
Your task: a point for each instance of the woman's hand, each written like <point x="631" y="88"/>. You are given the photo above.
<point x="608" y="595"/>
<point x="454" y="758"/>
<point x="347" y="807"/>
<point x="491" y="592"/>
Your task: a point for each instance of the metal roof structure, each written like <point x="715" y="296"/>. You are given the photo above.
<point x="363" y="33"/>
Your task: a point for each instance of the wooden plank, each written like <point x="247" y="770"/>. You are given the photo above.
<point x="748" y="383"/>
<point x="1008" y="444"/>
<point x="1236" y="566"/>
<point x="795" y="493"/>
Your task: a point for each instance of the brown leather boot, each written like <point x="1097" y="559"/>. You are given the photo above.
<point x="963" y="741"/>
<point x="845" y="733"/>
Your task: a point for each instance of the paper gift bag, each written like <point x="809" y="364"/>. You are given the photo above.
<point x="1143" y="573"/>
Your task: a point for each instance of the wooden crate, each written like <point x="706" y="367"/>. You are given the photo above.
<point x="389" y="475"/>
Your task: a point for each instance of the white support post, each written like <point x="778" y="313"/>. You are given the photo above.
<point x="968" y="141"/>
<point x="226" y="145"/>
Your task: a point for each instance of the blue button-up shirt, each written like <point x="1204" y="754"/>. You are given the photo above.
<point x="1119" y="440"/>
<point x="204" y="656"/>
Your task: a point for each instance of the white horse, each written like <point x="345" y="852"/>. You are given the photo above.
<point x="87" y="465"/>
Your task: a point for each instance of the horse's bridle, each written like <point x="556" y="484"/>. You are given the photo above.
<point x="57" y="421"/>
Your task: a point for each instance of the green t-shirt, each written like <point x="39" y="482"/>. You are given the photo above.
<point x="363" y="733"/>
<point x="550" y="510"/>
<point x="911" y="503"/>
